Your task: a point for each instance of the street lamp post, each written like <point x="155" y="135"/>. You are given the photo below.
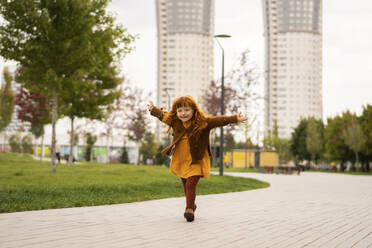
<point x="222" y="96"/>
<point x="169" y="100"/>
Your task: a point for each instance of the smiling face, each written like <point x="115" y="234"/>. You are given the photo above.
<point x="185" y="113"/>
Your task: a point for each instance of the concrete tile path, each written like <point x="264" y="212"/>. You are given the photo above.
<point x="310" y="210"/>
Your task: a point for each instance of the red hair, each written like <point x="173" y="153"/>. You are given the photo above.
<point x="198" y="119"/>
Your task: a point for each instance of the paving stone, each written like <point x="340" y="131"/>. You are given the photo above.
<point x="310" y="210"/>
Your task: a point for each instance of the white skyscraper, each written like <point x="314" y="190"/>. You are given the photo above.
<point x="293" y="62"/>
<point x="185" y="50"/>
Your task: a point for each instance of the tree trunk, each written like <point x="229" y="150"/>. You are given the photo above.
<point x="54" y="120"/>
<point x="313" y="159"/>
<point x="108" y="146"/>
<point x="70" y="157"/>
<point x="91" y="154"/>
<point x="356" y="159"/>
<point x="42" y="147"/>
<point x="138" y="149"/>
<point x="3" y="143"/>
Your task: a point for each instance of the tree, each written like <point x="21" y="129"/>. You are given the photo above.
<point x="280" y="145"/>
<point x="229" y="141"/>
<point x="124" y="156"/>
<point x="6" y="100"/>
<point x="240" y="93"/>
<point x="90" y="141"/>
<point x="335" y="146"/>
<point x="35" y="109"/>
<point x="314" y="138"/>
<point x="148" y="147"/>
<point x="354" y="138"/>
<point x="68" y="48"/>
<point x="365" y="121"/>
<point x="211" y="102"/>
<point x="298" y="141"/>
<point x="88" y="101"/>
<point x="136" y="115"/>
<point x="113" y="121"/>
<point x="248" y="144"/>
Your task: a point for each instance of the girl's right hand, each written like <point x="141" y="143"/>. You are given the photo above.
<point x="150" y="105"/>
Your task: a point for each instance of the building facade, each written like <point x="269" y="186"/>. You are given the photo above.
<point x="293" y="63"/>
<point x="185" y="50"/>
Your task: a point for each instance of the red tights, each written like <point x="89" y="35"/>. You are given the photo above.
<point x="189" y="187"/>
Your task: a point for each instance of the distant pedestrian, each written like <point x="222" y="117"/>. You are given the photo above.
<point x="190" y="147"/>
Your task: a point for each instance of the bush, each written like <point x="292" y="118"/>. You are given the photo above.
<point x="124" y="156"/>
<point x="160" y="159"/>
<point x="27" y="144"/>
<point x="15" y="142"/>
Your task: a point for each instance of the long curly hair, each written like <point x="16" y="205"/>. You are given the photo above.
<point x="198" y="119"/>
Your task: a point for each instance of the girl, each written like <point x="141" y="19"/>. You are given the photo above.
<point x="190" y="145"/>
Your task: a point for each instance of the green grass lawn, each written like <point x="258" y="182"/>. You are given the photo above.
<point x="27" y="184"/>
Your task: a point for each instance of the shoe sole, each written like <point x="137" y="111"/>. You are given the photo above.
<point x="189" y="216"/>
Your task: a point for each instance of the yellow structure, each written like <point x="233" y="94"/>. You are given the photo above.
<point x="270" y="159"/>
<point x="238" y="158"/>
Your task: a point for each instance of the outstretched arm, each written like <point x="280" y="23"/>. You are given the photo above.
<point x="154" y="111"/>
<point x="219" y="121"/>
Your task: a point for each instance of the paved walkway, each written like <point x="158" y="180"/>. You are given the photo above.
<point x="310" y="210"/>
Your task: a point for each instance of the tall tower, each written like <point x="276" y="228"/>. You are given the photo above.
<point x="185" y="50"/>
<point x="293" y="62"/>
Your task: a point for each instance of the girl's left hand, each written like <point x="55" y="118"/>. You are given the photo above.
<point x="241" y="118"/>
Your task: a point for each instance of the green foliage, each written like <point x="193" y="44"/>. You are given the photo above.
<point x="124" y="156"/>
<point x="267" y="141"/>
<point x="37" y="130"/>
<point x="7" y="100"/>
<point x="307" y="140"/>
<point x="75" y="140"/>
<point x="229" y="141"/>
<point x="90" y="141"/>
<point x="67" y="50"/>
<point x="148" y="147"/>
<point x="27" y="144"/>
<point x="27" y="184"/>
<point x="280" y="145"/>
<point x="248" y="144"/>
<point x="15" y="142"/>
<point x="336" y="148"/>
<point x="160" y="159"/>
<point x="365" y="121"/>
<point x="298" y="141"/>
<point x="354" y="138"/>
<point x="314" y="138"/>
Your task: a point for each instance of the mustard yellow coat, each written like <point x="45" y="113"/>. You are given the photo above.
<point x="181" y="164"/>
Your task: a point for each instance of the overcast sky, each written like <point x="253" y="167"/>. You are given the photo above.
<point x="347" y="49"/>
<point x="347" y="45"/>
